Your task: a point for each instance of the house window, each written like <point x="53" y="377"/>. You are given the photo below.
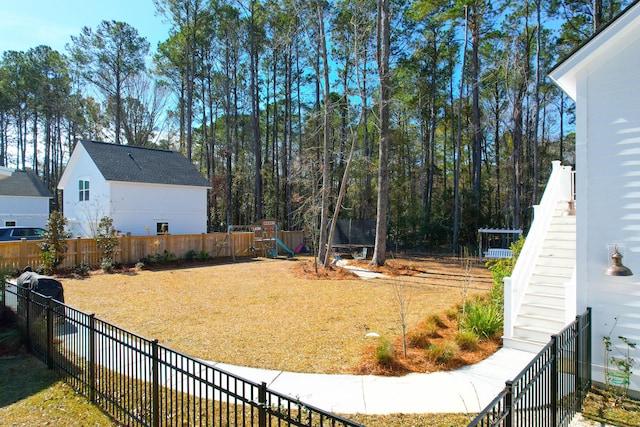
<point x="83" y="189"/>
<point x="162" y="227"/>
<point x="9" y="223"/>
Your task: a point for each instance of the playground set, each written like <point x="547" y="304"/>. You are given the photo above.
<point x="266" y="242"/>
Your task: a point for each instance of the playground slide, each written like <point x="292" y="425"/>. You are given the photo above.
<point x="284" y="247"/>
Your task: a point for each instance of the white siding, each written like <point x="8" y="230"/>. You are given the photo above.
<point x="608" y="179"/>
<point x="83" y="216"/>
<point x="136" y="208"/>
<point x="25" y="211"/>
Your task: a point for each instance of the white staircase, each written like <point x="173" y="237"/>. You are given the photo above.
<point x="539" y="298"/>
<point x="545" y="308"/>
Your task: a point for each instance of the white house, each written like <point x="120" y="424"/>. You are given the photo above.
<point x="144" y="190"/>
<point x="602" y="78"/>
<point x="24" y="200"/>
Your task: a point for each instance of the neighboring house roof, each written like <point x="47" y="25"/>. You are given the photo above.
<point x="23" y="184"/>
<point x="128" y="163"/>
<point x="597" y="49"/>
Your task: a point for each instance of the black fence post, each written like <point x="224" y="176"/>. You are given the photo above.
<point x="588" y="347"/>
<point x="92" y="357"/>
<point x="578" y="361"/>
<point x="508" y="404"/>
<point x="27" y="315"/>
<point x="554" y="380"/>
<point x="155" y="378"/>
<point x="262" y="407"/>
<point x="49" y="334"/>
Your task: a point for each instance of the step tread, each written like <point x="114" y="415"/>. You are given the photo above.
<point x="537" y="329"/>
<point x="559" y="319"/>
<point x="539" y="306"/>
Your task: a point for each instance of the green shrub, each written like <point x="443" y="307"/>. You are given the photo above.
<point x="482" y="318"/>
<point x="82" y="269"/>
<point x="443" y="352"/>
<point x="106" y="265"/>
<point x="501" y="268"/>
<point x="139" y="265"/>
<point x="165" y="257"/>
<point x="467" y="340"/>
<point x="384" y="352"/>
<point x="191" y="255"/>
<point x="203" y="256"/>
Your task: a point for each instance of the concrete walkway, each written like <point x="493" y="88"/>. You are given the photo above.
<point x="363" y="273"/>
<point x="466" y="390"/>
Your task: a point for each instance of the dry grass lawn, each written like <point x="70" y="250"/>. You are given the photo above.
<point x="271" y="313"/>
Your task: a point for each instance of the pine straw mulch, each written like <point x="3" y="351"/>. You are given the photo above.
<point x="274" y="314"/>
<point x="418" y="358"/>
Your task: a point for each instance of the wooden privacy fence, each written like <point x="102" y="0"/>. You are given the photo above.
<point x="16" y="255"/>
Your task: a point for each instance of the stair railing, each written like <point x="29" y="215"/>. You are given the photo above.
<point x="559" y="187"/>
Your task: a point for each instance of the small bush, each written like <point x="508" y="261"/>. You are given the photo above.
<point x="165" y="257"/>
<point x="82" y="269"/>
<point x="139" y="265"/>
<point x="384" y="353"/>
<point x="437" y="321"/>
<point x="483" y="319"/>
<point x="452" y="313"/>
<point x="467" y="340"/>
<point x="443" y="352"/>
<point x="106" y="265"/>
<point x="191" y="255"/>
<point x="418" y="339"/>
<point x="203" y="256"/>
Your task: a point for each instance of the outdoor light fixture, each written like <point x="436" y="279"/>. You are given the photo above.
<point x="616" y="268"/>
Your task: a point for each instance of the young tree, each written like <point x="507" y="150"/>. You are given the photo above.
<point x="54" y="242"/>
<point x="107" y="241"/>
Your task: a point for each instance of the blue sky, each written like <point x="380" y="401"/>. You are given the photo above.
<point x="28" y="23"/>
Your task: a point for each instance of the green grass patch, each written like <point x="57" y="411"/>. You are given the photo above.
<point x="30" y="394"/>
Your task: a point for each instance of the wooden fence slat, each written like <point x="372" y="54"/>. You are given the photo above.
<point x="16" y="255"/>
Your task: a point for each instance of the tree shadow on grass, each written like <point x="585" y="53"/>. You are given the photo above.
<point x="22" y="376"/>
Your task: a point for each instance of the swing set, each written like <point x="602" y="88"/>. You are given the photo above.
<point x="495" y="242"/>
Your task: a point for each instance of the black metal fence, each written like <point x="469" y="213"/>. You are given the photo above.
<point x="551" y="389"/>
<point x="140" y="382"/>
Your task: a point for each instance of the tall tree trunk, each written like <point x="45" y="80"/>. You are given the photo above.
<point x="536" y="119"/>
<point x="384" y="45"/>
<point x="326" y="166"/>
<point x="477" y="125"/>
<point x="255" y="111"/>
<point x="456" y="172"/>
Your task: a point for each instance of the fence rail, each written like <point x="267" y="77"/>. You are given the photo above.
<point x="551" y="389"/>
<point x="140" y="382"/>
<point x="131" y="249"/>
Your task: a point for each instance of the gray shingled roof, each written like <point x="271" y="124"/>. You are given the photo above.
<point x="137" y="164"/>
<point x="23" y="183"/>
